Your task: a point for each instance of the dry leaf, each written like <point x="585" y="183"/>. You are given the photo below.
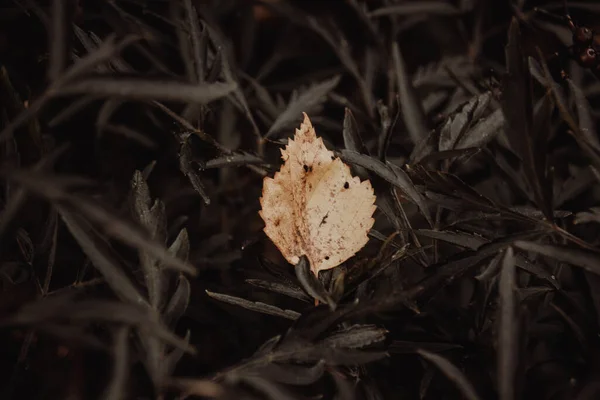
<point x="313" y="205"/>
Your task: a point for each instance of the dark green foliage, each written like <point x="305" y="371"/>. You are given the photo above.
<point x="134" y="139"/>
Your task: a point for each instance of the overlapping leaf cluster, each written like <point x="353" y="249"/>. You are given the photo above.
<point x="134" y="145"/>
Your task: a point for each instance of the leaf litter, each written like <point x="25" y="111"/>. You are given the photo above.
<point x="313" y="206"/>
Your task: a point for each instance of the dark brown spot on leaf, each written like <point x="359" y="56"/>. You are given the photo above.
<point x="324" y="220"/>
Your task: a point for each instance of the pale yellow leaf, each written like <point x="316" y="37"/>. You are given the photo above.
<point x="313" y="205"/>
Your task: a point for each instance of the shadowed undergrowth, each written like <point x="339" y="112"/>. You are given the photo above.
<point x="135" y="136"/>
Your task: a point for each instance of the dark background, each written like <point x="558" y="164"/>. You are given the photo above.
<point x="510" y="321"/>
